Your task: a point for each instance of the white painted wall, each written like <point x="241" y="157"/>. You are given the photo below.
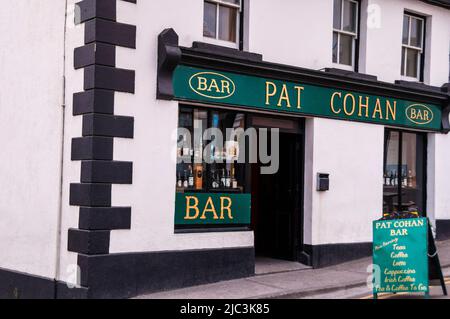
<point x="31" y="81"/>
<point x="73" y="128"/>
<point x="383" y="45"/>
<point x="352" y="153"/>
<point x="292" y="32"/>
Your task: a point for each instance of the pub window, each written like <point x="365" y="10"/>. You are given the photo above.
<point x="204" y="166"/>
<point x="222" y="21"/>
<point x="345" y="32"/>
<point x="404" y="177"/>
<point x="413" y="46"/>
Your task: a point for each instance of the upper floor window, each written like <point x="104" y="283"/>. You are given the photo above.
<point x="413" y="46"/>
<point x="221" y="20"/>
<point x="345" y="32"/>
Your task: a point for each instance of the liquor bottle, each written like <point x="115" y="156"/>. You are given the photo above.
<point x="185" y="181"/>
<point x="222" y="179"/>
<point x="410" y="179"/>
<point x="385" y="179"/>
<point x="227" y="179"/>
<point x="391" y="179"/>
<point x="179" y="181"/>
<point x="214" y="180"/>
<point x="190" y="177"/>
<point x="234" y="183"/>
<point x="404" y="179"/>
<point x="198" y="171"/>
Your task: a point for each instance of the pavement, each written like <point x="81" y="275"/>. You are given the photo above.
<point x="347" y="280"/>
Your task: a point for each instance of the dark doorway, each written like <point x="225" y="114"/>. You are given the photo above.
<point x="277" y="201"/>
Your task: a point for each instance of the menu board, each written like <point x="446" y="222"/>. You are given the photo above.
<point x="400" y="257"/>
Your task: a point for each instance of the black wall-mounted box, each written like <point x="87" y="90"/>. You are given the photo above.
<point x="323" y="182"/>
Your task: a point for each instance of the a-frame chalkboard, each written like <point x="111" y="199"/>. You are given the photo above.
<point x="434" y="266"/>
<point x="435" y="276"/>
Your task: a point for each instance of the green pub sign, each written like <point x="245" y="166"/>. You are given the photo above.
<point x="212" y="209"/>
<point x="400" y="256"/>
<point x="207" y="86"/>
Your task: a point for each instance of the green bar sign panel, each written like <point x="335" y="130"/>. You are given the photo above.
<point x="212" y="209"/>
<point x="400" y="258"/>
<point x="201" y="85"/>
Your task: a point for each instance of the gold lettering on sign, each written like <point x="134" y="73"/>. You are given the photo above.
<point x="226" y="86"/>
<point x="226" y="207"/>
<point x="339" y="94"/>
<point x="299" y="90"/>
<point x="270" y="93"/>
<point x="202" y="83"/>
<point x="284" y="96"/>
<point x="391" y="110"/>
<point x="209" y="208"/>
<point x="214" y="86"/>
<point x="353" y="104"/>
<point x="363" y="106"/>
<point x="190" y="207"/>
<point x="378" y="110"/>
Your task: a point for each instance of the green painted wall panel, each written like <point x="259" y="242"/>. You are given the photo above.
<point x="212" y="209"/>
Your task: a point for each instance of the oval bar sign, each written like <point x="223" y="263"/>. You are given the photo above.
<point x="212" y="85"/>
<point x="419" y="114"/>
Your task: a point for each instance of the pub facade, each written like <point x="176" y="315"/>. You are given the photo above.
<point x="180" y="142"/>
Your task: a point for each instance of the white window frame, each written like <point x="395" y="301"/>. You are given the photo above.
<point x="354" y="35"/>
<point x="216" y="40"/>
<point x="408" y="46"/>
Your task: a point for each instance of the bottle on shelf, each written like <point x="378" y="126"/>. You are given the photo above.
<point x="185" y="180"/>
<point x="404" y="179"/>
<point x="391" y="179"/>
<point x="190" y="178"/>
<point x="234" y="183"/>
<point x="385" y="179"/>
<point x="410" y="179"/>
<point x="228" y="179"/>
<point x="222" y="179"/>
<point x="198" y="171"/>
<point x="179" y="181"/>
<point x="214" y="179"/>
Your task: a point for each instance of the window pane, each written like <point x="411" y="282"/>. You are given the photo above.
<point x="405" y="29"/>
<point x="349" y="16"/>
<point x="390" y="174"/>
<point x="403" y="61"/>
<point x="337" y="14"/>
<point x="345" y="49"/>
<point x="412" y="180"/>
<point x="209" y="20"/>
<point x="335" y="47"/>
<point x="227" y="23"/>
<point x="416" y="32"/>
<point x="412" y="59"/>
